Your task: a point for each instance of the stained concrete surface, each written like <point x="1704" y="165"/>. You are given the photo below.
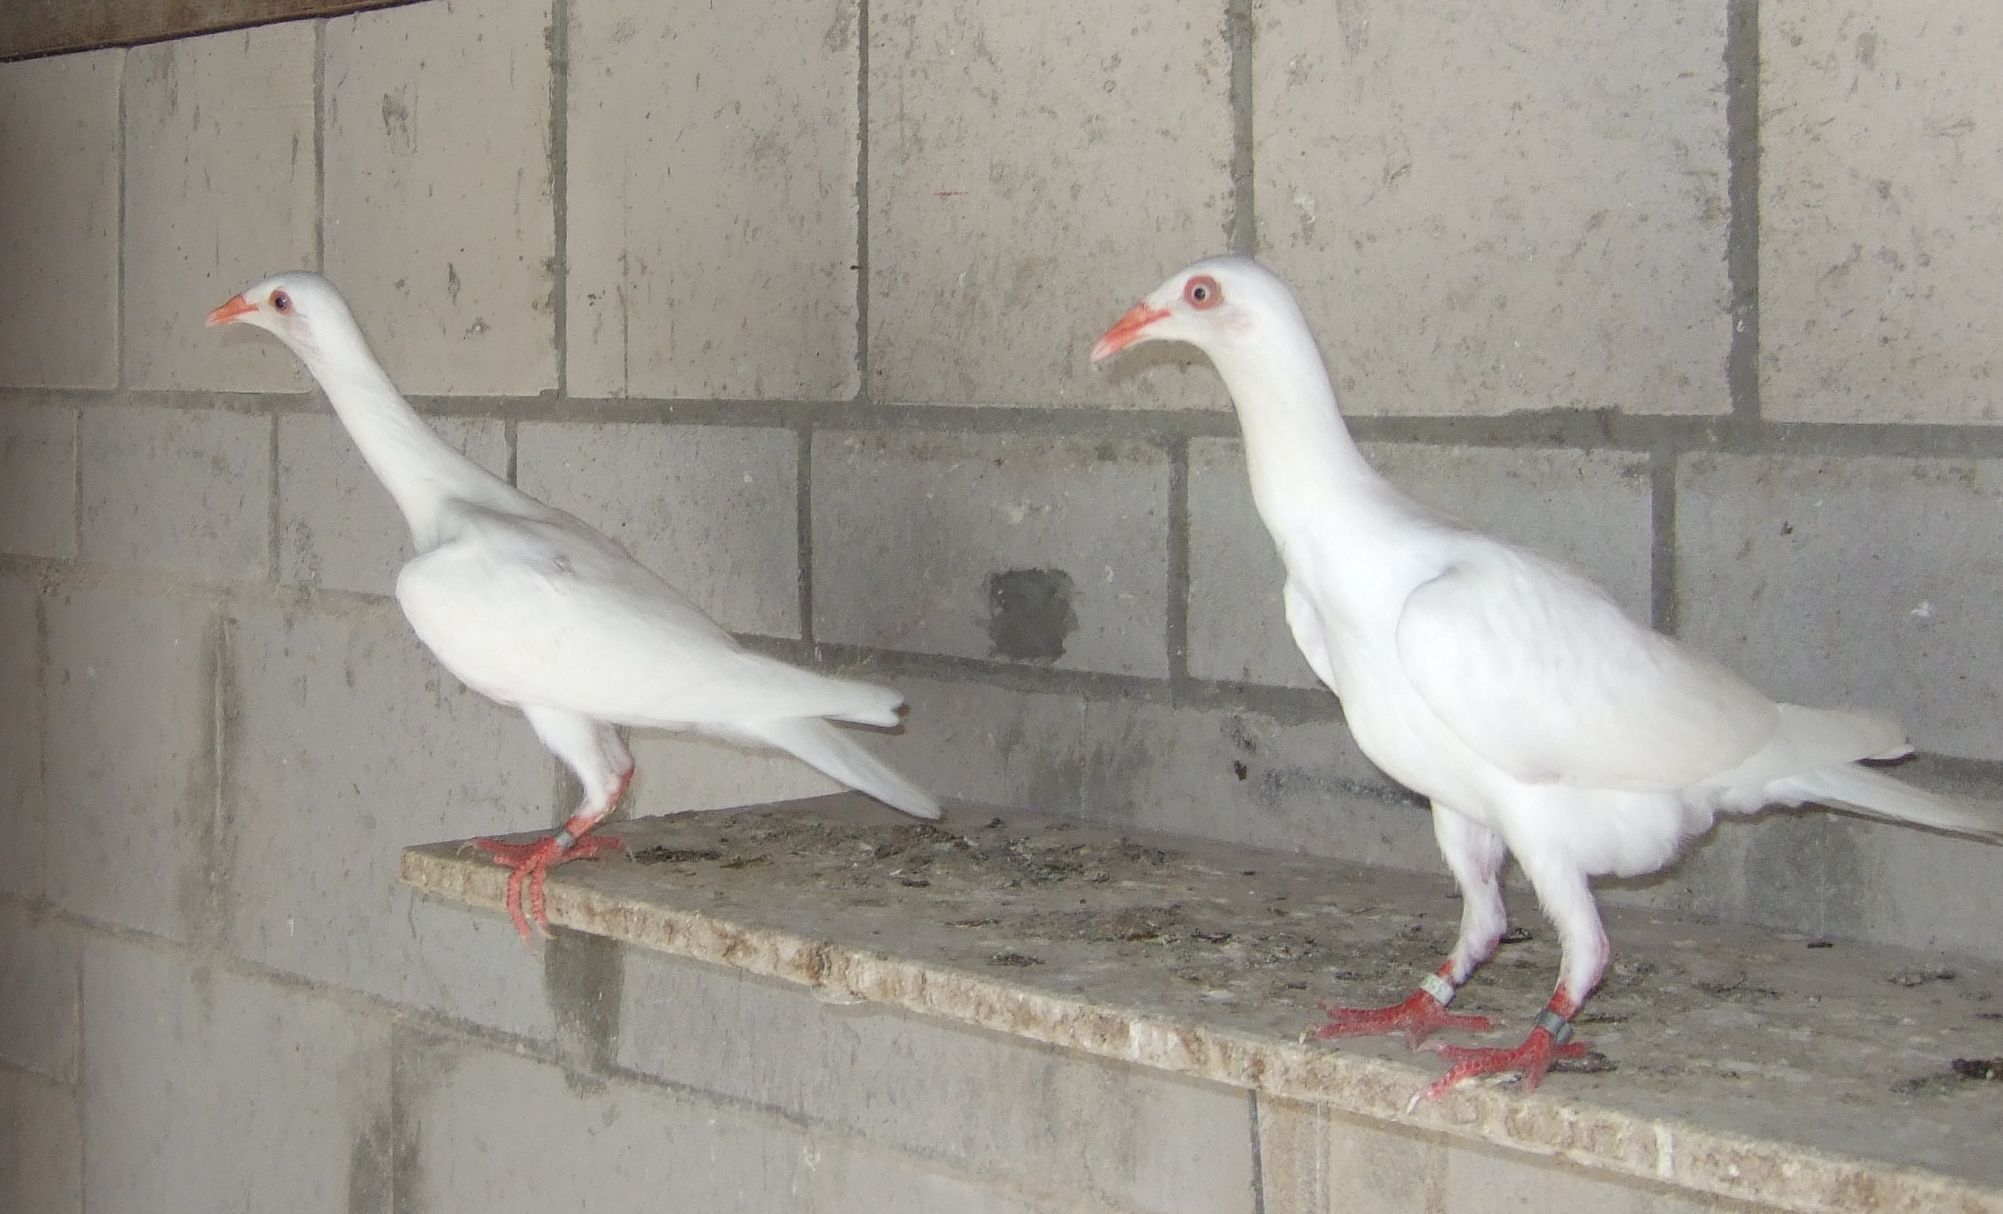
<point x="1807" y="1074"/>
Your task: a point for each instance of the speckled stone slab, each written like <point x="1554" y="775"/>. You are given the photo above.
<point x="1804" y="1074"/>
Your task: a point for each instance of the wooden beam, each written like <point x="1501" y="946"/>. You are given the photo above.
<point x="48" y="27"/>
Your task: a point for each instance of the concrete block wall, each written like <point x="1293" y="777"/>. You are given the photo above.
<point x="793" y="300"/>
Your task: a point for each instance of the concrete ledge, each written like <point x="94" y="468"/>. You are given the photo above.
<point x="1797" y="1074"/>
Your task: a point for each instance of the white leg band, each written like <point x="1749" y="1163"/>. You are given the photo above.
<point x="1439" y="988"/>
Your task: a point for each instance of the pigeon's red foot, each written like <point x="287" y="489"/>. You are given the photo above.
<point x="1529" y="1060"/>
<point x="1418" y="1018"/>
<point x="532" y="862"/>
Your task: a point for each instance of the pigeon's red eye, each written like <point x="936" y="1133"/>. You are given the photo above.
<point x="1203" y="292"/>
<point x="281" y="302"/>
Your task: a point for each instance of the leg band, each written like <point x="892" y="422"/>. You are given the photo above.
<point x="1557" y="1026"/>
<point x="1439" y="988"/>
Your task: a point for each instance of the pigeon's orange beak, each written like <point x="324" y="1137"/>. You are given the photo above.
<point x="1127" y="331"/>
<point x="232" y="311"/>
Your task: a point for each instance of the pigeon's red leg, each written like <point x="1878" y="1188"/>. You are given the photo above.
<point x="1549" y="1041"/>
<point x="1568" y="900"/>
<point x="1474" y="854"/>
<point x="1417" y="1017"/>
<point x="531" y="862"/>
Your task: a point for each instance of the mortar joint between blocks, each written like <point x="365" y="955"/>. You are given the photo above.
<point x="320" y="146"/>
<point x="862" y="389"/>
<point x="1178" y="521"/>
<point x="1241" y="231"/>
<point x="803" y="526"/>
<point x="118" y="323"/>
<point x="1662" y="540"/>
<point x="1742" y="241"/>
<point x="559" y="154"/>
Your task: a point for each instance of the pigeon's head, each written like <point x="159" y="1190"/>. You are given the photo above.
<point x="298" y="307"/>
<point x="1217" y="305"/>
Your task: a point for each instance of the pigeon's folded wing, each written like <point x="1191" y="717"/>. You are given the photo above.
<point x="528" y="613"/>
<point x="1543" y="676"/>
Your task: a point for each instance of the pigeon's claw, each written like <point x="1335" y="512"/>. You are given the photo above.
<point x="1418" y="1017"/>
<point x="531" y="863"/>
<point x="1530" y="1061"/>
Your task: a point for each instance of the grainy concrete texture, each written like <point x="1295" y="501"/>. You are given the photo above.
<point x="38" y="480"/>
<point x="793" y="301"/>
<point x="1880" y="242"/>
<point x="439" y="202"/>
<point x="128" y="756"/>
<point x="337" y="529"/>
<point x="21" y="732"/>
<point x="710" y="508"/>
<point x="713" y="200"/>
<point x="210" y="123"/>
<point x="977" y="546"/>
<point x="1031" y="170"/>
<point x="181" y="490"/>
<point x="1501" y="241"/>
<point x="60" y="115"/>
<point x="1196" y="961"/>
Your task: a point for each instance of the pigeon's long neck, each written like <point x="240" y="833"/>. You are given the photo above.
<point x="422" y="472"/>
<point x="1305" y="468"/>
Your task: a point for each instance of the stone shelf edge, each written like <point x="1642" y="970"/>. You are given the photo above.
<point x="625" y="902"/>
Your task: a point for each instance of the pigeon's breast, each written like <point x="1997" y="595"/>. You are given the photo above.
<point x="1395" y="730"/>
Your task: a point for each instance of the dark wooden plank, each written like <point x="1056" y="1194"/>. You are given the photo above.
<point x="47" y="27"/>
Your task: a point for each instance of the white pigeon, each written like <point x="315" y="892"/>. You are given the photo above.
<point x="1514" y="694"/>
<point x="529" y="606"/>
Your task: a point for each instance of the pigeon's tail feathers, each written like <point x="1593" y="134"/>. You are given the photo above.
<point x="1812" y="739"/>
<point x="1806" y="740"/>
<point x="873" y="705"/>
<point x="1823" y="735"/>
<point x="1877" y="795"/>
<point x="827" y="750"/>
<point x="760" y="688"/>
<point x="1813" y="755"/>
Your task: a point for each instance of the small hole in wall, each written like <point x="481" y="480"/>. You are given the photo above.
<point x="1029" y="614"/>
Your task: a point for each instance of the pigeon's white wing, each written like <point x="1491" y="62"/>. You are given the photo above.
<point x="1542" y="675"/>
<point x="544" y="611"/>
